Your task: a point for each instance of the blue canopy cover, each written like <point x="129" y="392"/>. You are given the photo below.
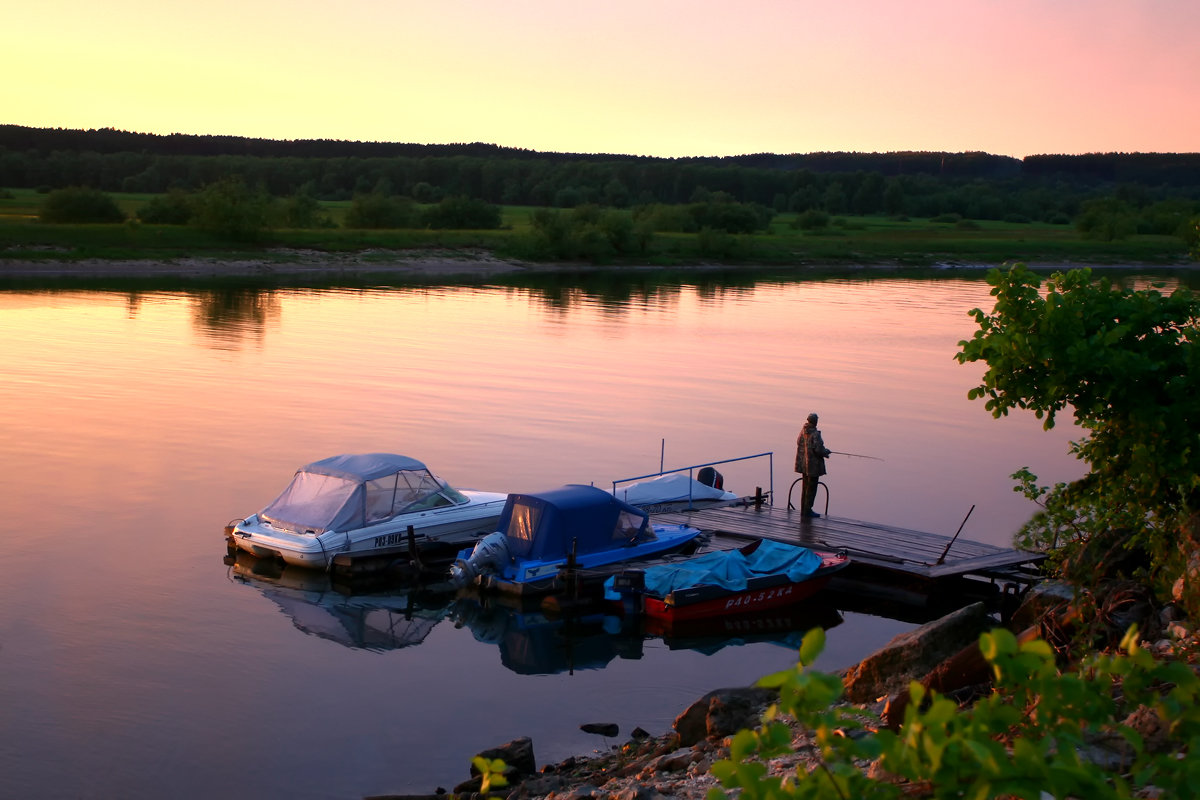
<point x="546" y="525"/>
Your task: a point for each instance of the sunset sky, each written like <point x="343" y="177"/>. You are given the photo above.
<point x="642" y="77"/>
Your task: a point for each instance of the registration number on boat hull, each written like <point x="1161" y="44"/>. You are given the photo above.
<point x="540" y="571"/>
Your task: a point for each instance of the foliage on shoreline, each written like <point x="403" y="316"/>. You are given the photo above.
<point x="1031" y="737"/>
<point x="1125" y="363"/>
<point x="650" y="235"/>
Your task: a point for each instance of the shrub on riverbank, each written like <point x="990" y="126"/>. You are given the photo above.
<point x="654" y="235"/>
<point x="81" y="205"/>
<point x="1036" y="734"/>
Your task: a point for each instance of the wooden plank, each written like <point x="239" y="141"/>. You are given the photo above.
<point x="919" y="554"/>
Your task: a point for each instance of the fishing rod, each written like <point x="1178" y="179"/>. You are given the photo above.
<point x="854" y="455"/>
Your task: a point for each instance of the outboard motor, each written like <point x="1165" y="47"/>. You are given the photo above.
<point x="710" y="477"/>
<point x="490" y="555"/>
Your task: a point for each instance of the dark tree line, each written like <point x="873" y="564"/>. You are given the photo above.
<point x="915" y="184"/>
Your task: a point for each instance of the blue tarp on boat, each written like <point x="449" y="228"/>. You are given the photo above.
<point x="548" y="525"/>
<point x="732" y="569"/>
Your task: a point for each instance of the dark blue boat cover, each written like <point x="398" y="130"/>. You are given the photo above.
<point x="546" y="525"/>
<point x="731" y="569"/>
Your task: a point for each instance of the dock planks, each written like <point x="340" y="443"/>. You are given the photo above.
<point x="912" y="553"/>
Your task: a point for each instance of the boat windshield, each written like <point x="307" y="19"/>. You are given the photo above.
<point x="632" y="528"/>
<point x="523" y="526"/>
<point x="311" y="502"/>
<point x="314" y="502"/>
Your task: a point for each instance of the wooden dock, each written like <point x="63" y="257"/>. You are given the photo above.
<point x="915" y="555"/>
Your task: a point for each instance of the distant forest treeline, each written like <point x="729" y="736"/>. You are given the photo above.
<point x="973" y="185"/>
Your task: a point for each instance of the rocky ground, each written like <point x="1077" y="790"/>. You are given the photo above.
<point x="426" y="264"/>
<point x="676" y="765"/>
<point x="280" y="262"/>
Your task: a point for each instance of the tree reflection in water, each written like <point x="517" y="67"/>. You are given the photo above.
<point x="228" y="316"/>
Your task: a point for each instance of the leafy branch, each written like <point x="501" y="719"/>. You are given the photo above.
<point x="1030" y="738"/>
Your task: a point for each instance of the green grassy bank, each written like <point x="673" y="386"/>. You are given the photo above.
<point x="846" y="240"/>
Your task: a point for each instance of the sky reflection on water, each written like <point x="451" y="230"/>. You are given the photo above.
<point x="137" y="424"/>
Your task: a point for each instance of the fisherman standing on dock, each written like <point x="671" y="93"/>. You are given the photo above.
<point x="810" y="462"/>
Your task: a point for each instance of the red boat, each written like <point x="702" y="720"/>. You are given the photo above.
<point x="760" y="576"/>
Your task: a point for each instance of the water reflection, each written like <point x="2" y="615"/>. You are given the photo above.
<point x="531" y="639"/>
<point x="226" y="316"/>
<point x="319" y="607"/>
<point x="532" y="643"/>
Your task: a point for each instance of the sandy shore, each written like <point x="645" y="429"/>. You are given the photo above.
<point x="416" y="264"/>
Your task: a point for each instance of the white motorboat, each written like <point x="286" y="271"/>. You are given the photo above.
<point x="363" y="505"/>
<point x="676" y="492"/>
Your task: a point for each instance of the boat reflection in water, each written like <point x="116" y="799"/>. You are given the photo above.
<point x="534" y="643"/>
<point x="531" y="641"/>
<point x="379" y="621"/>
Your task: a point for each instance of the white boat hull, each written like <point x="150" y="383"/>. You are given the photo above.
<point x="455" y="526"/>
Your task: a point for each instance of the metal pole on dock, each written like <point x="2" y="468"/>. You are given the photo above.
<point x="942" y="557"/>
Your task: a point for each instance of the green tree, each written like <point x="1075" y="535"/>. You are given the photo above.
<point x="176" y="207"/>
<point x="1191" y="236"/>
<point x="1126" y="364"/>
<point x="231" y="209"/>
<point x="462" y="213"/>
<point x="374" y="211"/>
<point x="1107" y="219"/>
<point x="78" y="204"/>
<point x="814" y="219"/>
<point x="302" y="210"/>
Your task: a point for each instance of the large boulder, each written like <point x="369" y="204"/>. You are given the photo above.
<point x="910" y="656"/>
<point x="1048" y="597"/>
<point x="518" y="760"/>
<point x="723" y="712"/>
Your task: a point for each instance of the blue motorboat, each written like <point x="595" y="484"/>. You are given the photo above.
<point x="571" y="537"/>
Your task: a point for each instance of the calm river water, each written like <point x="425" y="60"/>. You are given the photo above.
<point x="135" y="663"/>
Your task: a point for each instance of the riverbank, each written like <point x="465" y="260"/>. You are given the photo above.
<point x="423" y="265"/>
<point x="281" y="262"/>
<point x="942" y="655"/>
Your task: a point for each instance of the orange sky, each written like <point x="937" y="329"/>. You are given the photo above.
<point x="652" y="77"/>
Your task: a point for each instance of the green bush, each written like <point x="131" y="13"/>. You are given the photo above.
<point x="377" y="210"/>
<point x="717" y="243"/>
<point x="1106" y="219"/>
<point x="587" y="233"/>
<point x="462" y="213"/>
<point x="303" y="211"/>
<point x="77" y="204"/>
<point x="1027" y="739"/>
<point x="665" y="218"/>
<point x="814" y="219"/>
<point x="231" y="209"/>
<point x="723" y="214"/>
<point x="948" y="219"/>
<point x="176" y="207"/>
